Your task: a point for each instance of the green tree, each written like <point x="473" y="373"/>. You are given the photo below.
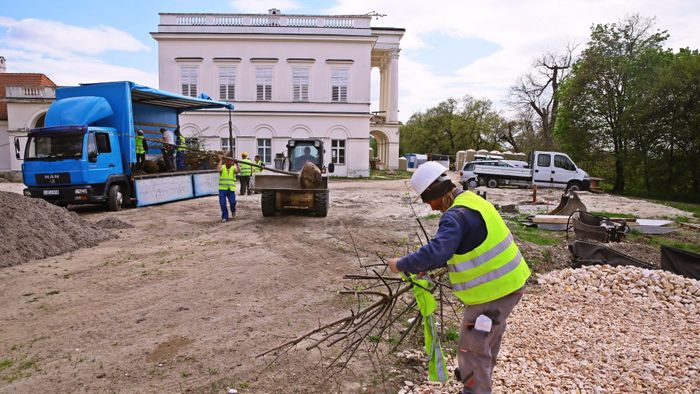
<point x="598" y="100"/>
<point x="452" y="125"/>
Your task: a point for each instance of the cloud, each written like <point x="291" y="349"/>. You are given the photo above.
<point x="521" y="30"/>
<point x="261" y="6"/>
<point x="72" y="70"/>
<point x="69" y="54"/>
<point x="56" y="38"/>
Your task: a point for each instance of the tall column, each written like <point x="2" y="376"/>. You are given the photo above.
<point x="393" y="114"/>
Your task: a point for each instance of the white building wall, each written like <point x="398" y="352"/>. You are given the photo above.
<point x="22" y="116"/>
<point x="319" y="49"/>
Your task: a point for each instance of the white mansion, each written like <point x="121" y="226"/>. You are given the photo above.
<point x="289" y="76"/>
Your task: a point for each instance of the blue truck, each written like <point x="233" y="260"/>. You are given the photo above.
<point x="86" y="152"/>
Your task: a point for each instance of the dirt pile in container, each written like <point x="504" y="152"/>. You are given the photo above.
<point x="31" y="228"/>
<point x="599" y="329"/>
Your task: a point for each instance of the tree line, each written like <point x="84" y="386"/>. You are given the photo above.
<point x="625" y="109"/>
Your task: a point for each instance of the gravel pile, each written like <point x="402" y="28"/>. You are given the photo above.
<point x="32" y="228"/>
<point x="599" y="329"/>
<point x="113" y="224"/>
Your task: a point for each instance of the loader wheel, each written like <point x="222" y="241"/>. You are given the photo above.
<point x="115" y="198"/>
<point x="321" y="204"/>
<point x="492" y="182"/>
<point x="267" y="201"/>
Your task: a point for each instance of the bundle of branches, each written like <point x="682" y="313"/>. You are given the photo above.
<point x="381" y="301"/>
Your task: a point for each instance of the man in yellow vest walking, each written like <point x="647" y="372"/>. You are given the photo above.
<point x="484" y="264"/>
<point x="246" y="173"/>
<point x="227" y="187"/>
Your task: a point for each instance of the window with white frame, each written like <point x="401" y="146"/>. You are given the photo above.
<point x="227" y="83"/>
<point x="188" y="78"/>
<point x="265" y="150"/>
<point x="300" y="84"/>
<point x="338" y="151"/>
<point x="339" y="85"/>
<point x="263" y="83"/>
<point x="228" y="145"/>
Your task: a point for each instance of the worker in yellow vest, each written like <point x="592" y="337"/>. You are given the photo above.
<point x="227" y="187"/>
<point x="485" y="267"/>
<point x="141" y="147"/>
<point x="181" y="148"/>
<point x="255" y="170"/>
<point x="246" y="173"/>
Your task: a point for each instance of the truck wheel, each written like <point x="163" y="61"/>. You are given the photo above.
<point x="473" y="184"/>
<point x="492" y="182"/>
<point x="321" y="204"/>
<point x="267" y="201"/>
<point x="115" y="198"/>
<point x="574" y="186"/>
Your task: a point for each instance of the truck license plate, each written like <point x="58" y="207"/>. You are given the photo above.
<point x="51" y="192"/>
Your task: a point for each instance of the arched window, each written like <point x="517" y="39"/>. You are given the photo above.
<point x="40" y="121"/>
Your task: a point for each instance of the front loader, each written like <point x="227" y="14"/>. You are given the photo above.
<point x="305" y="192"/>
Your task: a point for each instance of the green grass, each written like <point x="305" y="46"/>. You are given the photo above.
<point x="392" y="174"/>
<point x="656" y="240"/>
<point x="6" y="363"/>
<point x="431" y="216"/>
<point x="451" y="334"/>
<point x="684" y="206"/>
<point x="535" y="236"/>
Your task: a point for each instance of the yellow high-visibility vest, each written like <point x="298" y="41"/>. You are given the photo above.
<point x="227" y="178"/>
<point x="246" y="169"/>
<point x="493" y="269"/>
<point x="181" y="143"/>
<point x="139" y="144"/>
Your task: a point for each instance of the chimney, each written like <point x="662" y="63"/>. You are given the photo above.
<point x="3" y="68"/>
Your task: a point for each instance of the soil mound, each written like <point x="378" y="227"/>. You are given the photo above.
<point x="31" y="228"/>
<point x="113" y="224"/>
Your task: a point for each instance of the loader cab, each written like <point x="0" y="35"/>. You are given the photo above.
<point x="300" y="151"/>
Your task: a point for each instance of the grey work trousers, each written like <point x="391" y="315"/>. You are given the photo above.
<point x="478" y="350"/>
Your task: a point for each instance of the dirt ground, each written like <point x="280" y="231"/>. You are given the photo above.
<point x="181" y="302"/>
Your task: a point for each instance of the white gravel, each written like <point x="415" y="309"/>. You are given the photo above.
<point x="600" y="329"/>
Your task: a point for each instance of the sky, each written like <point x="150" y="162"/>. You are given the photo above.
<point x="450" y="48"/>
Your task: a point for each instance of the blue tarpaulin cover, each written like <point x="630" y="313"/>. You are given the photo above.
<point x="78" y="111"/>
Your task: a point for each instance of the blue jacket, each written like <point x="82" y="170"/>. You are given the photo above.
<point x="460" y="230"/>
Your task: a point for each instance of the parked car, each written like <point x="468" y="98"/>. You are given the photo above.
<point x="470" y="180"/>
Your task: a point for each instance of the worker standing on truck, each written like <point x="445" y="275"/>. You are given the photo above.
<point x="181" y="147"/>
<point x="141" y="147"/>
<point x="227" y="187"/>
<point x="246" y="173"/>
<point x="168" y="145"/>
<point x="485" y="267"/>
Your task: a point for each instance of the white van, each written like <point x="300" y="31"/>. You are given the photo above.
<point x="549" y="169"/>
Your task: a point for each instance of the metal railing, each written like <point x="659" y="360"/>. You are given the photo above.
<point x="38" y="92"/>
<point x="265" y="20"/>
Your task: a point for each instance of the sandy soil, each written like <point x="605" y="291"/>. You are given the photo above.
<point x="181" y="302"/>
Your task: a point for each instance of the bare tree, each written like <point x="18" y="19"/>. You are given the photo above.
<point x="537" y="91"/>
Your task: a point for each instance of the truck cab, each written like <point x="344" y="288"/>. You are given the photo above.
<point x="74" y="164"/>
<point x="556" y="169"/>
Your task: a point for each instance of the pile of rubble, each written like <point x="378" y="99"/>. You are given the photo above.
<point x="32" y="228"/>
<point x="599" y="329"/>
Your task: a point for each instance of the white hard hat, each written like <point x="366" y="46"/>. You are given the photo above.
<point x="426" y="174"/>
